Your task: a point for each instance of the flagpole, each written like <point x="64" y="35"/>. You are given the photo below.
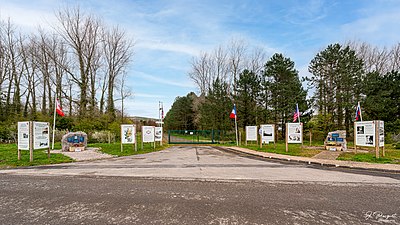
<point x="54" y="121"/>
<point x="298" y="112"/>
<point x="236" y="130"/>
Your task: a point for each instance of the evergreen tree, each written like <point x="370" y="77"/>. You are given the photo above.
<point x="181" y="115"/>
<point x="247" y="90"/>
<point x="283" y="89"/>
<point x="382" y="103"/>
<point x="336" y="77"/>
<point x="214" y="112"/>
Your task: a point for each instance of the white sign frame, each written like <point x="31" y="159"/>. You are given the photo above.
<point x="251" y="133"/>
<point x="295" y="133"/>
<point x="41" y="135"/>
<point x="381" y="133"/>
<point x="147" y="134"/>
<point x="128" y="134"/>
<point x="24" y="135"/>
<point x="158" y="134"/>
<point x="267" y="133"/>
<point x="365" y="133"/>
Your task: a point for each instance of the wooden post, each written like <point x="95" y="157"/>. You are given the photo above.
<point x="31" y="141"/>
<point x="245" y="136"/>
<point x="302" y="133"/>
<point x="275" y="136"/>
<point x="260" y="136"/>
<point x="310" y="136"/>
<point x="48" y="150"/>
<point x="135" y="140"/>
<point x="286" y="138"/>
<point x="383" y="147"/>
<point x="355" y="137"/>
<point x="257" y="136"/>
<point x="240" y="138"/>
<point x="122" y="135"/>
<point x="19" y="154"/>
<point x="376" y="139"/>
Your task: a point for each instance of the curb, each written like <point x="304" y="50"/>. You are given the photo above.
<point x="288" y="160"/>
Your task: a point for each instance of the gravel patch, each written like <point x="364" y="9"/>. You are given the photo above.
<point x="86" y="155"/>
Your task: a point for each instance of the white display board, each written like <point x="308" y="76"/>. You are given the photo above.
<point x="365" y="133"/>
<point x="295" y="133"/>
<point x="128" y="134"/>
<point x="267" y="133"/>
<point x="158" y="134"/>
<point x="23" y="135"/>
<point x="251" y="133"/>
<point x="41" y="137"/>
<point x="381" y="134"/>
<point x="148" y="134"/>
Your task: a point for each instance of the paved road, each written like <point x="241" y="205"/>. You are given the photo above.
<point x="198" y="185"/>
<point x="204" y="163"/>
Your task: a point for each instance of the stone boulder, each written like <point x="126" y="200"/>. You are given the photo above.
<point x="73" y="139"/>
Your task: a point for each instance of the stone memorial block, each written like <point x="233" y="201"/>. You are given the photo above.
<point x="74" y="141"/>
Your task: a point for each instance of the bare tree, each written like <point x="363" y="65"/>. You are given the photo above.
<point x="225" y="63"/>
<point x="237" y="51"/>
<point x="118" y="54"/>
<point x="381" y="60"/>
<point x="200" y="73"/>
<point x="81" y="33"/>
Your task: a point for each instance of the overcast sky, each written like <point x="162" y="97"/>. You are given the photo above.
<point x="169" y="33"/>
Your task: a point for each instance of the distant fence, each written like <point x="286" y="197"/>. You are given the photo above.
<point x="194" y="136"/>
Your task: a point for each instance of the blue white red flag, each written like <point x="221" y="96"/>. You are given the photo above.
<point x="358" y="112"/>
<point x="233" y="113"/>
<point x="296" y="114"/>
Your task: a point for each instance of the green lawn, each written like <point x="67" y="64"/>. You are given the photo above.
<point x="9" y="157"/>
<point x="392" y="155"/>
<point x="294" y="149"/>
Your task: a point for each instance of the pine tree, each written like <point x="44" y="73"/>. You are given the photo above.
<point x="284" y="89"/>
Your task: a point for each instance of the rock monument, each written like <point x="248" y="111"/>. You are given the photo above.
<point x="74" y="141"/>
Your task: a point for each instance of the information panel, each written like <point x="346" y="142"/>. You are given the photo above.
<point x="41" y="137"/>
<point x="148" y="134"/>
<point x="295" y="133"/>
<point x="267" y="133"/>
<point x="365" y="133"/>
<point x="158" y="134"/>
<point x="23" y="135"/>
<point x="128" y="134"/>
<point x="251" y="133"/>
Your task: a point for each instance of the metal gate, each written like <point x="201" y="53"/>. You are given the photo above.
<point x="193" y="136"/>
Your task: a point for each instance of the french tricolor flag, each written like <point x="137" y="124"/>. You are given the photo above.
<point x="233" y="113"/>
<point x="358" y="112"/>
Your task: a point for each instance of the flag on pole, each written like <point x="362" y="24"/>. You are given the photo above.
<point x="358" y="113"/>
<point x="233" y="113"/>
<point x="59" y="109"/>
<point x="296" y="114"/>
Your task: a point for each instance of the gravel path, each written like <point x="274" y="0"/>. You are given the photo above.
<point x="88" y="154"/>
